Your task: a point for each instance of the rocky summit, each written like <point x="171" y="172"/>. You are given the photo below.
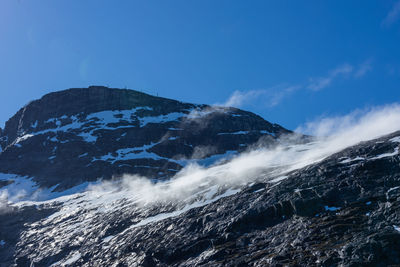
<point x="84" y="134"/>
<point x="277" y="202"/>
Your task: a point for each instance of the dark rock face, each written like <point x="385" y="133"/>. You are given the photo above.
<point x="78" y="135"/>
<point x="13" y="222"/>
<point x="342" y="211"/>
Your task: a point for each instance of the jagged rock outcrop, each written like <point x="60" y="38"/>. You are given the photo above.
<point x="83" y="134"/>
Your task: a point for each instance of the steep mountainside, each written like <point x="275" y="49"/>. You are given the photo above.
<point x="342" y="211"/>
<point x="202" y="186"/>
<point x="79" y="135"/>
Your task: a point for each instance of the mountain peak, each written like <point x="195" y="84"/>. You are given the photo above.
<point x="83" y="101"/>
<point x="102" y="132"/>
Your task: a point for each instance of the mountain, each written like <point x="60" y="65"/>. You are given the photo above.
<point x="342" y="211"/>
<point x="80" y="135"/>
<point x="278" y="201"/>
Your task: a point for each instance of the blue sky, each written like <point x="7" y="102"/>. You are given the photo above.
<point x="288" y="61"/>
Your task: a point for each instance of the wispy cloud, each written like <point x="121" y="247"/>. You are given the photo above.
<point x="273" y="96"/>
<point x="240" y="98"/>
<point x="268" y="97"/>
<point x="282" y="93"/>
<point x="320" y="83"/>
<point x="364" y="67"/>
<point x="393" y="15"/>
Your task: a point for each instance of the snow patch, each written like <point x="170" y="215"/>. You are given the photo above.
<point x="86" y="127"/>
<point x="34" y="125"/>
<point x="72" y="259"/>
<point x="24" y="189"/>
<point x="108" y="238"/>
<point x="234" y="133"/>
<point x="23" y="138"/>
<point x="174" y="116"/>
<point x="392" y="188"/>
<point x="131" y="153"/>
<point x="385" y="155"/>
<point x="395" y="139"/>
<point x="163" y="216"/>
<point x="278" y="179"/>
<point x="351" y="160"/>
<point x="327" y="208"/>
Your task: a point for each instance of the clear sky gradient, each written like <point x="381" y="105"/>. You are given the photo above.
<point x="288" y="61"/>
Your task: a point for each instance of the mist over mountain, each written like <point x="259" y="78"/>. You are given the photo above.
<point x="114" y="177"/>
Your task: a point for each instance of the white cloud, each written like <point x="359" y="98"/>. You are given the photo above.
<point x="281" y="93"/>
<point x="273" y="96"/>
<point x="240" y="98"/>
<point x="393" y="15"/>
<point x="343" y="69"/>
<point x="365" y="67"/>
<point x="4" y="206"/>
<point x="267" y="97"/>
<point x="320" y="83"/>
<point x="317" y="84"/>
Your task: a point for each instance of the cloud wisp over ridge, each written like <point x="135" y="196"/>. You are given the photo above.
<point x="335" y="133"/>
<point x="196" y="182"/>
